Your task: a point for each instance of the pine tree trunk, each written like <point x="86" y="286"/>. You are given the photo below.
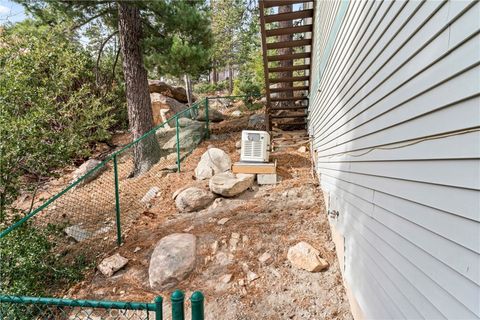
<point x="147" y="152"/>
<point x="188" y="88"/>
<point x="285" y="51"/>
<point x="230" y="79"/>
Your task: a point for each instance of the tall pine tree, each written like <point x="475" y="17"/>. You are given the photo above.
<point x="146" y="28"/>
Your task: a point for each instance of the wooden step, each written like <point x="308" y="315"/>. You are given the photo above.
<point x="289" y="44"/>
<point x="289" y="16"/>
<point x="291" y="123"/>
<point x="289" y="30"/>
<point x="288" y="99"/>
<point x="289" y="79"/>
<point x="289" y="89"/>
<point x="277" y="3"/>
<point x="293" y="56"/>
<point x="291" y="68"/>
<point x="288" y="108"/>
<point x="284" y="116"/>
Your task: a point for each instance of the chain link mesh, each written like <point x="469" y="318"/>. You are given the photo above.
<point x="87" y="218"/>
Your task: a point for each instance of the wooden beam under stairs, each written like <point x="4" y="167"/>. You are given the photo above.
<point x="289" y="89"/>
<point x="277" y="3"/>
<point x="289" y="79"/>
<point x="289" y="30"/>
<point x="289" y="44"/>
<point x="301" y="14"/>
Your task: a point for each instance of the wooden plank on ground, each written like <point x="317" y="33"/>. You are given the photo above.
<point x="252" y="167"/>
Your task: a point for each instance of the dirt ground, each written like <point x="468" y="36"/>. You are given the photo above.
<point x="268" y="219"/>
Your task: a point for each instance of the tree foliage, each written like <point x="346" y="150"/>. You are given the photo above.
<point x="51" y="109"/>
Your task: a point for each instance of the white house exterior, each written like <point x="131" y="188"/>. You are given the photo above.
<point x="394" y="116"/>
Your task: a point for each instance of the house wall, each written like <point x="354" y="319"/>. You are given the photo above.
<point x="394" y="119"/>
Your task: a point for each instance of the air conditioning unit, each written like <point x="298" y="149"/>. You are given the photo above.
<point x="255" y="146"/>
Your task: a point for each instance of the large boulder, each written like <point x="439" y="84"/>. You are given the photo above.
<point x="213" y="115"/>
<point x="304" y="256"/>
<point x="85" y="168"/>
<point x="164" y="107"/>
<point x="256" y="120"/>
<point x="172" y="260"/>
<point x="177" y="93"/>
<point x="188" y="138"/>
<point x="229" y="184"/>
<point x="193" y="199"/>
<point x="212" y="162"/>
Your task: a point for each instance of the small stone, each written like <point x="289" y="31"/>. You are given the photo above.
<point x="188" y="229"/>
<point x="78" y="233"/>
<point x="236" y="113"/>
<point x="226" y="278"/>
<point x="137" y="249"/>
<point x="245" y="239"/>
<point x="112" y="264"/>
<point x="241" y="282"/>
<point x="235" y="238"/>
<point x="214" y="247"/>
<point x="238" y="144"/>
<point x="251" y="276"/>
<point x="265" y="258"/>
<point x="150" y="195"/>
<point x="304" y="256"/>
<point x="302" y="149"/>
<point x="222" y="221"/>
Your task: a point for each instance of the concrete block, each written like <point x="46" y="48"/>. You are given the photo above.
<point x="270" y="178"/>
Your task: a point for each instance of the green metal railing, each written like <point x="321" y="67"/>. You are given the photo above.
<point x="27" y="308"/>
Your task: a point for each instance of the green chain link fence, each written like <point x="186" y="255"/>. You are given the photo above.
<point x="89" y="216"/>
<point x="29" y="308"/>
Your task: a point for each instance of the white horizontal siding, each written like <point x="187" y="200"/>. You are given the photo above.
<point x="395" y="120"/>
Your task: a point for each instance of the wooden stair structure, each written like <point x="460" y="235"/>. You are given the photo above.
<point x="287" y="71"/>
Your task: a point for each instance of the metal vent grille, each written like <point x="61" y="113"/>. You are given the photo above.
<point x="253" y="148"/>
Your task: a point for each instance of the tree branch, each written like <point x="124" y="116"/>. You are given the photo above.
<point x="115" y="63"/>
<point x="89" y="20"/>
<point x="102" y="45"/>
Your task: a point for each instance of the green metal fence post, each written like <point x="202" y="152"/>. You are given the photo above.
<point x="177" y="305"/>
<point x="197" y="306"/>
<point x="207" y="118"/>
<point x="117" y="201"/>
<point x="178" y="142"/>
<point x="158" y="308"/>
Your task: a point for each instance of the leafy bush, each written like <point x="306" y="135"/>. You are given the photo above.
<point x="210" y="88"/>
<point x="245" y="86"/>
<point x="27" y="265"/>
<point x="51" y="109"/>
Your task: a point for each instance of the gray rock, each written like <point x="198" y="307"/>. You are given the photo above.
<point x="228" y="184"/>
<point x="152" y="193"/>
<point x="212" y="162"/>
<point x="188" y="137"/>
<point x="222" y="221"/>
<point x="265" y="258"/>
<point x="256" y="120"/>
<point x="251" y="276"/>
<point x="172" y="260"/>
<point x="112" y="264"/>
<point x="236" y="113"/>
<point x="193" y="199"/>
<point x="213" y="115"/>
<point x="78" y="233"/>
<point x="304" y="256"/>
<point x="85" y="168"/>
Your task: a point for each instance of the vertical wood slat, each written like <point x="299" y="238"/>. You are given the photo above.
<point x="265" y="63"/>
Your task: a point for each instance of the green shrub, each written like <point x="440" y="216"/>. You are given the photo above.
<point x="50" y="107"/>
